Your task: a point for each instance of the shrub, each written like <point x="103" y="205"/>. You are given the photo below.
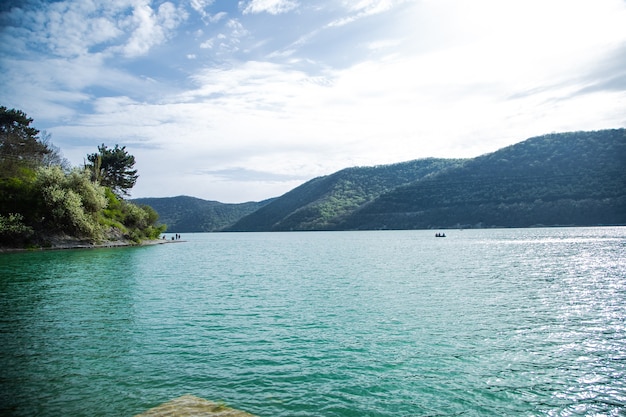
<point x="13" y="229"/>
<point x="70" y="203"/>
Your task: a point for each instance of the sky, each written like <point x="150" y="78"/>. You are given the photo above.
<point x="245" y="100"/>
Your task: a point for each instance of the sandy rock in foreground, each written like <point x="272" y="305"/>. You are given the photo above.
<point x="192" y="406"/>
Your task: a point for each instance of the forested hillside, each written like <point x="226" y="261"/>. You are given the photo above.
<point x="185" y="214"/>
<point x="43" y="200"/>
<point x="322" y="203"/>
<point x="574" y="178"/>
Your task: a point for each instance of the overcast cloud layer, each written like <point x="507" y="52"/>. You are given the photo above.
<point x="244" y="100"/>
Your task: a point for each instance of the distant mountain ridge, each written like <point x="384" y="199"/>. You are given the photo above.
<point x="324" y="202"/>
<point x="185" y="214"/>
<point x="576" y="178"/>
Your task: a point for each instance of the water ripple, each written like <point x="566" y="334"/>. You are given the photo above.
<point x="491" y="322"/>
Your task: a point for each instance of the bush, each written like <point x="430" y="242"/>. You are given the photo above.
<point x="141" y="221"/>
<point x="136" y="222"/>
<point x="70" y="203"/>
<point x="13" y="229"/>
<point x="92" y="196"/>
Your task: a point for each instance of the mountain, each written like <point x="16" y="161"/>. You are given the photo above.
<point x="185" y="214"/>
<point x="576" y="178"/>
<point x="322" y="203"/>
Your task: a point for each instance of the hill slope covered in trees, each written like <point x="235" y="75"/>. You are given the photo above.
<point x="576" y="178"/>
<point x="185" y="214"/>
<point x="323" y="203"/>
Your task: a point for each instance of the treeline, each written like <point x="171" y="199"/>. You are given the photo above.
<point x="560" y="179"/>
<point x="184" y="214"/>
<point x="42" y="196"/>
<point x="325" y="202"/>
<point x="576" y="178"/>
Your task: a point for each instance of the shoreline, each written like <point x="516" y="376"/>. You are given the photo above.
<point x="68" y="244"/>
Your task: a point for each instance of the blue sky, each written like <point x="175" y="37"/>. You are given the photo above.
<point x="244" y="100"/>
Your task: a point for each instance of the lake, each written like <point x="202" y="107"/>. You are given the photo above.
<point x="383" y="323"/>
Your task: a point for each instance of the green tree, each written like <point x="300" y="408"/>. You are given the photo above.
<point x="113" y="168"/>
<point x="19" y="144"/>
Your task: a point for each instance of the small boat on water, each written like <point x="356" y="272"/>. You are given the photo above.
<point x="440" y="235"/>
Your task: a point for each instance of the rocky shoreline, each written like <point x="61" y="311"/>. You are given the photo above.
<point x="66" y="242"/>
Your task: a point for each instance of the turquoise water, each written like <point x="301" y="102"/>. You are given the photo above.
<point x="393" y="323"/>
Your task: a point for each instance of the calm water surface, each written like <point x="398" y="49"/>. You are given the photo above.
<point x="483" y="322"/>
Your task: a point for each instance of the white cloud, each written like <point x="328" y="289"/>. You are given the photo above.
<point x="150" y="28"/>
<point x="208" y="44"/>
<point x="225" y="44"/>
<point x="169" y="16"/>
<point x="60" y="84"/>
<point x="200" y="6"/>
<point x="237" y="29"/>
<point x="145" y="32"/>
<point x="73" y="28"/>
<point x="360" y="9"/>
<point x="267" y="6"/>
<point x="367" y="5"/>
<point x="69" y="28"/>
<point x="217" y="17"/>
